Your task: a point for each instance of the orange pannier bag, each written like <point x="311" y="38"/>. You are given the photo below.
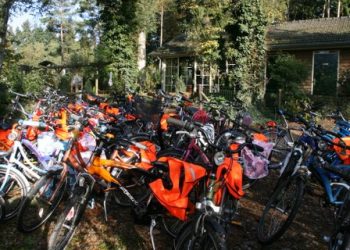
<point x="147" y="155"/>
<point x="130" y="117"/>
<point x="108" y="109"/>
<point x="260" y="137"/>
<point x="176" y="199"/>
<point x="62" y="131"/>
<point x="231" y="172"/>
<point x="33" y="132"/>
<point x="344" y="154"/>
<point x="5" y="143"/>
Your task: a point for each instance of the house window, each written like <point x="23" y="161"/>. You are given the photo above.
<point x="325" y="73"/>
<point x="186" y="70"/>
<point x="171" y="74"/>
<point x="230" y="65"/>
<point x="203" y="74"/>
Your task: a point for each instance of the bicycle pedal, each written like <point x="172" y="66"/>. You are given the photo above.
<point x="236" y="223"/>
<point x="326" y="238"/>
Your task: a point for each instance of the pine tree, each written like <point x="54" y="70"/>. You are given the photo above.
<point x="59" y="19"/>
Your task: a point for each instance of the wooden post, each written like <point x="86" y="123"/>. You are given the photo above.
<point x="163" y="75"/>
<point x="210" y="79"/>
<point x="279" y="98"/>
<point x="96" y="86"/>
<point x="195" y="76"/>
<point x="200" y="92"/>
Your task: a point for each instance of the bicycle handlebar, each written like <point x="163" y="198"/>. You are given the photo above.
<point x="190" y="126"/>
<point x="18" y="94"/>
<point x="181" y="124"/>
<point x="322" y="132"/>
<point x="30" y="123"/>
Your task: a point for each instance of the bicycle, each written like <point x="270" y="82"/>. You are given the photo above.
<point x="95" y="171"/>
<point x="303" y="161"/>
<point x="218" y="202"/>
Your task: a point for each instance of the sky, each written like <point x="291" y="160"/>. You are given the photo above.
<point x="18" y="18"/>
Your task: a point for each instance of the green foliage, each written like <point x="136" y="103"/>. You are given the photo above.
<point x="180" y="85"/>
<point x="145" y="17"/>
<point x="65" y="82"/>
<point x="149" y="78"/>
<point x="204" y="21"/>
<point x="34" y="81"/>
<point x="244" y="47"/>
<point x="121" y="23"/>
<point x="300" y="9"/>
<point x="288" y="73"/>
<point x="275" y="11"/>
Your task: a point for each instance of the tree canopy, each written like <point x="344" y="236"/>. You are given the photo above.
<point x="104" y="32"/>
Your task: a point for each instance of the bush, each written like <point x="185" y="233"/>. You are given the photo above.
<point x="344" y="83"/>
<point x="149" y="78"/>
<point x="286" y="73"/>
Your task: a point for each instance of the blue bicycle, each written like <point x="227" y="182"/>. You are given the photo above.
<point x="307" y="157"/>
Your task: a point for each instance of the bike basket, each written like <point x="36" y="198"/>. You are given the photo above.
<point x="47" y="143"/>
<point x="256" y="165"/>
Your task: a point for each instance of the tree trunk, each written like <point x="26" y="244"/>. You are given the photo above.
<point x="5" y="7"/>
<point x="161" y="33"/>
<point x="141" y="59"/>
<point x="62" y="41"/>
<point x="339" y="8"/>
<point x="328" y="8"/>
<point x="324" y="9"/>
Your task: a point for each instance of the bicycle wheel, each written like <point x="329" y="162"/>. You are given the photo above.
<point x="209" y="236"/>
<point x="69" y="219"/>
<point x="133" y="181"/>
<point x="340" y="240"/>
<point x="346" y="241"/>
<point x="280" y="210"/>
<point x="136" y="185"/>
<point x="41" y="202"/>
<point x="14" y="191"/>
<point x="2" y="208"/>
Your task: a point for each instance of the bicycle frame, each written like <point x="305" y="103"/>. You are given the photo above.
<point x="32" y="170"/>
<point x="194" y="147"/>
<point x="322" y="176"/>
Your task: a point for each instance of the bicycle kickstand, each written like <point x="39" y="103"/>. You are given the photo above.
<point x="105" y="206"/>
<point x="153" y="224"/>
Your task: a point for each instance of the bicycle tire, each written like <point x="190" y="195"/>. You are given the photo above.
<point x="2" y="208"/>
<point x="340" y="240"/>
<point x="140" y="195"/>
<point x="297" y="197"/>
<point x="73" y="213"/>
<point x="32" y="202"/>
<point x="11" y="208"/>
<point x="346" y="241"/>
<point x="215" y="237"/>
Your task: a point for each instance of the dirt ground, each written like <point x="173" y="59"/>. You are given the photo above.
<point x="120" y="232"/>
